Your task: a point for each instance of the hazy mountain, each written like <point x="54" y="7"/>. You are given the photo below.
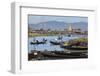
<point x="58" y="25"/>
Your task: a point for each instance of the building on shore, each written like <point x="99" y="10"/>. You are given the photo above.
<point x="72" y="30"/>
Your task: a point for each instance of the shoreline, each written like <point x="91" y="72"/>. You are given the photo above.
<point x="39" y="35"/>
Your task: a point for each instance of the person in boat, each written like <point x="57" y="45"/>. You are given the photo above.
<point x="60" y="37"/>
<point x="44" y="40"/>
<point x="37" y="41"/>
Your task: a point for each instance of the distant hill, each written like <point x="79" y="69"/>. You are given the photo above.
<point x="58" y="25"/>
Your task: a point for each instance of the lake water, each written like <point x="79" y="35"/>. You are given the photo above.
<point x="48" y="46"/>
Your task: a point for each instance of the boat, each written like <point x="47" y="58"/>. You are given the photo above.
<point x="69" y="35"/>
<point x="71" y="46"/>
<point x="77" y="48"/>
<point x="75" y="45"/>
<point x="64" y="55"/>
<point x="55" y="42"/>
<point x="39" y="42"/>
<point x="56" y="55"/>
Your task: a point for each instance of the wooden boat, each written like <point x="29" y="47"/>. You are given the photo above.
<point x="56" y="55"/>
<point x="74" y="47"/>
<point x="55" y="42"/>
<point x="62" y="55"/>
<point x="77" y="48"/>
<point x="38" y="42"/>
<point x="69" y="35"/>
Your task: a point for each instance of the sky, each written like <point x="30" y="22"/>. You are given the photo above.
<point x="34" y="19"/>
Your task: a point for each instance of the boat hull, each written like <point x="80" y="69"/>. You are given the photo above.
<point x="74" y="48"/>
<point x="38" y="42"/>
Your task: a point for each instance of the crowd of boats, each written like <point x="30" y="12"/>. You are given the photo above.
<point x="71" y="44"/>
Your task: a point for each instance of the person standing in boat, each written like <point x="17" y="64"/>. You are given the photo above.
<point x="34" y="39"/>
<point x="37" y="41"/>
<point x="60" y="38"/>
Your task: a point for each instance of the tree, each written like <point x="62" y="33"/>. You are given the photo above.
<point x="41" y="29"/>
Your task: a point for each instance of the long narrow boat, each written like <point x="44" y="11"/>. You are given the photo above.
<point x="55" y="42"/>
<point x="77" y="48"/>
<point x="74" y="47"/>
<point x="39" y="42"/>
<point x="74" y="55"/>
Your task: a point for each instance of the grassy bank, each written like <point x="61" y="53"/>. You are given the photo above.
<point x="36" y="35"/>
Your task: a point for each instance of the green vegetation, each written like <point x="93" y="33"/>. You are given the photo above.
<point x="37" y="34"/>
<point x="81" y="40"/>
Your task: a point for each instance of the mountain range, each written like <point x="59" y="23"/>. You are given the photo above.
<point x="57" y="25"/>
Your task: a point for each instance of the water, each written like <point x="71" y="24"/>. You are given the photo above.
<point x="48" y="46"/>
